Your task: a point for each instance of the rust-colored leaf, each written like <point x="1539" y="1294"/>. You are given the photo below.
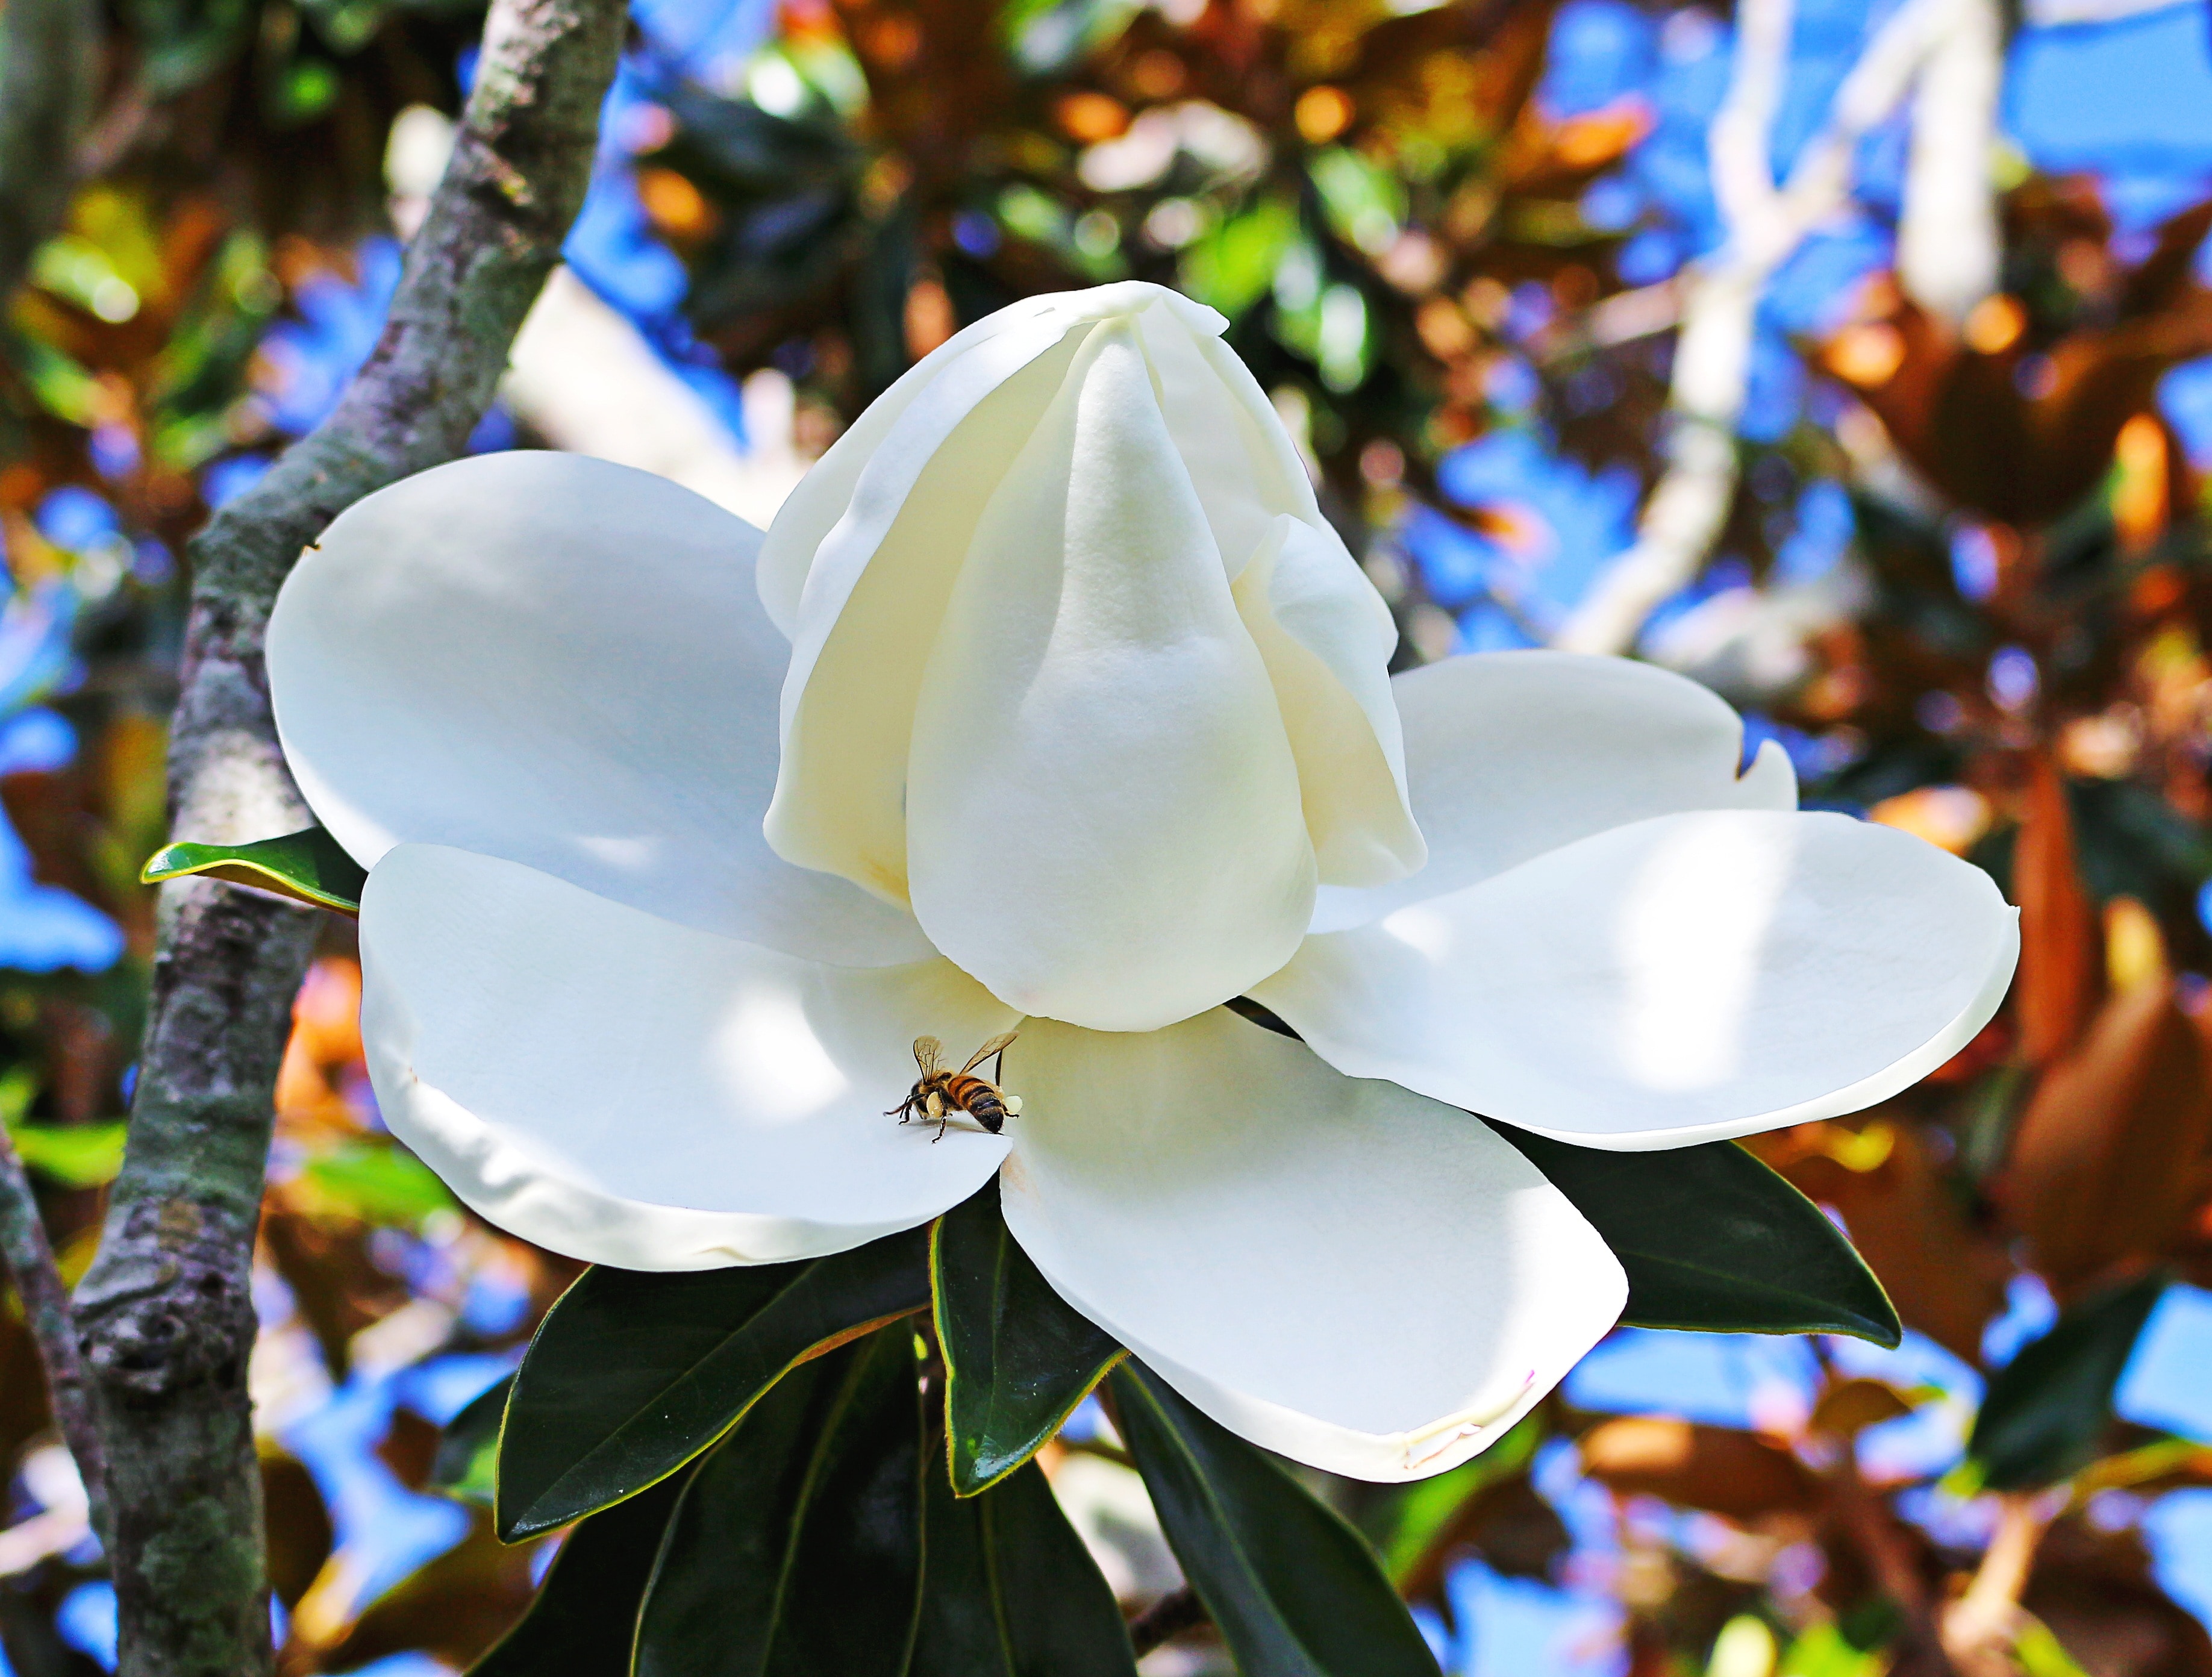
<point x="2106" y="1162"/>
<point x="1946" y="1278"/>
<point x="1724" y="1472"/>
<point x="2059" y="957"/>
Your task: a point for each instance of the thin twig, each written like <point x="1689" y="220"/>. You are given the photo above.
<point x="30" y="1260"/>
<point x="1175" y="1613"/>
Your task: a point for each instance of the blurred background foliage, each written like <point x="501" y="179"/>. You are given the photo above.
<point x="1945" y="540"/>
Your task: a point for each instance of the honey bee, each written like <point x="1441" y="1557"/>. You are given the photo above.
<point x="939" y="1094"/>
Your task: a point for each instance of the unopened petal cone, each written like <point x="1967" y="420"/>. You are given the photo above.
<point x="1103" y="819"/>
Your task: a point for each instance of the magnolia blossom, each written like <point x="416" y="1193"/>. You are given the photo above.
<point x="1051" y="703"/>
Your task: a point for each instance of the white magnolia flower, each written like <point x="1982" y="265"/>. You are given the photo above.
<point x="1085" y="731"/>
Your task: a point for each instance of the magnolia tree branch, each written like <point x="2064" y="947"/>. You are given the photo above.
<point x="1687" y="508"/>
<point x="1948" y="246"/>
<point x="45" y="1296"/>
<point x="49" y="56"/>
<point x="166" y="1312"/>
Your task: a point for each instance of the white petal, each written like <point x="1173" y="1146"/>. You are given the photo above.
<point x="1327" y="637"/>
<point x="861" y="562"/>
<point x="1508" y="755"/>
<point x="1341" y="1271"/>
<point x="1103" y="819"/>
<point x="1683" y="979"/>
<point x="1242" y="465"/>
<point x="812" y="510"/>
<point x="565" y="663"/>
<point x="876" y="597"/>
<point x="633" y="1092"/>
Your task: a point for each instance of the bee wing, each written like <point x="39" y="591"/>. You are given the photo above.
<point x="998" y="1044"/>
<point x="928" y="1055"/>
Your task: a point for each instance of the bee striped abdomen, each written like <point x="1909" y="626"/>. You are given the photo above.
<point x="978" y="1099"/>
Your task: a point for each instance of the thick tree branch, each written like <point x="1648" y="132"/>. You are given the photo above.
<point x="30" y="1259"/>
<point x="49" y="55"/>
<point x="166" y="1312"/>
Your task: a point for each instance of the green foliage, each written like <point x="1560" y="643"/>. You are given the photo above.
<point x="1295" y="1591"/>
<point x="1422" y="1511"/>
<point x="375" y="1181"/>
<point x="633" y="1375"/>
<point x="310" y="867"/>
<point x="1012" y="1591"/>
<point x="1713" y="1240"/>
<point x="2045" y="1412"/>
<point x="796" y="1549"/>
<point x="73" y="1155"/>
<point x="1018" y="1360"/>
<point x="580" y="1624"/>
<point x="467" y="1466"/>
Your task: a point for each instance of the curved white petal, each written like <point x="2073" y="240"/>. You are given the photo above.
<point x="1683" y="979"/>
<point x="1103" y="817"/>
<point x="1339" y="1270"/>
<point x="632" y="1092"/>
<point x="1241" y="465"/>
<point x="861" y="565"/>
<point x="1508" y="755"/>
<point x="562" y="662"/>
<point x="813" y="509"/>
<point x="1327" y="638"/>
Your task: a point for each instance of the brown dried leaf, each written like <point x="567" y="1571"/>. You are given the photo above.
<point x="2059" y="956"/>
<point x="1738" y="1474"/>
<point x="299" y="1529"/>
<point x="1946" y="1278"/>
<point x="1850" y="1406"/>
<point x="2106" y="1162"/>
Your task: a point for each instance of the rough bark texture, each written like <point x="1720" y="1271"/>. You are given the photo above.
<point x="45" y="1296"/>
<point x="166" y="1316"/>
<point x="49" y="52"/>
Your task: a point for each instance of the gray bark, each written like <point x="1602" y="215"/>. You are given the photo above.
<point x="166" y="1315"/>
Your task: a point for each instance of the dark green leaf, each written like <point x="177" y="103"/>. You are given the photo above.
<point x="466" y="1465"/>
<point x="581" y="1620"/>
<point x="797" y="1549"/>
<point x="1010" y="1591"/>
<point x="631" y="1374"/>
<point x="2044" y="1411"/>
<point x="1018" y="1359"/>
<point x="1414" y="1517"/>
<point x="311" y="867"/>
<point x="1295" y="1591"/>
<point x="1712" y="1239"/>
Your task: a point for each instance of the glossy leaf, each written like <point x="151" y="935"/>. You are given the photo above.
<point x="2045" y="1412"/>
<point x="631" y="1375"/>
<point x="73" y="1155"/>
<point x="1017" y="1358"/>
<point x="1011" y="1590"/>
<point x="466" y="1465"/>
<point x="581" y="1622"/>
<point x="1713" y="1240"/>
<point x="797" y="1548"/>
<point x="309" y="867"/>
<point x="1295" y="1591"/>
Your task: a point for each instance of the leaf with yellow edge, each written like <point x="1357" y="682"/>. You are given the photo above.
<point x="309" y="867"/>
